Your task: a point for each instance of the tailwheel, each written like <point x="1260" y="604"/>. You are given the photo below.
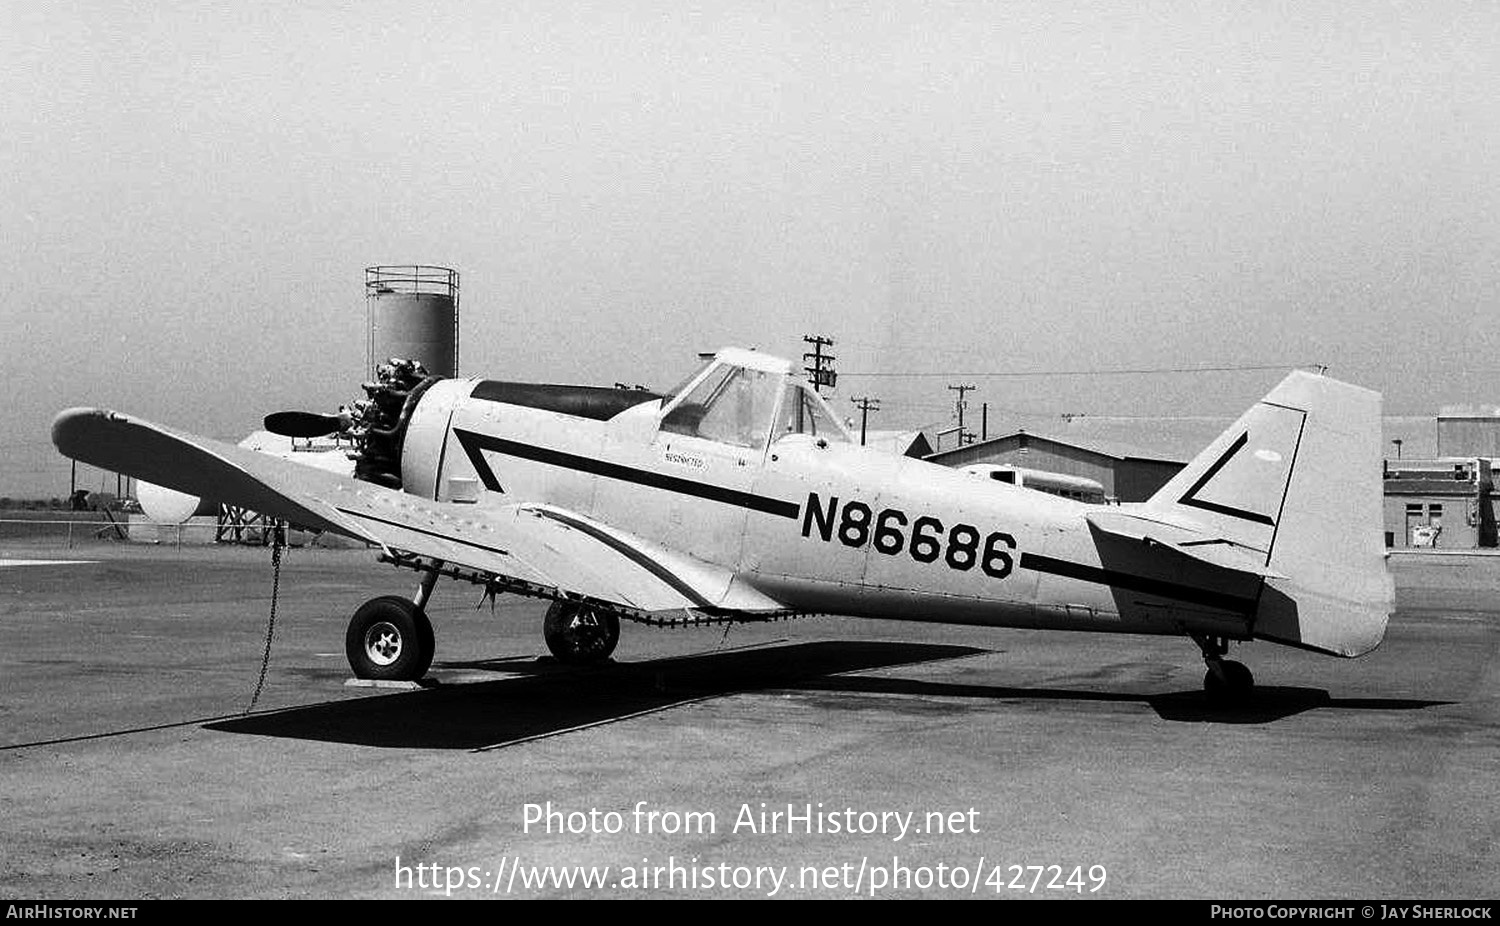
<point x="579" y="634"/>
<point x="389" y="638"/>
<point x="1225" y="680"/>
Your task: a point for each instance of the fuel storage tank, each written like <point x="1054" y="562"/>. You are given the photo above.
<point x="413" y="314"/>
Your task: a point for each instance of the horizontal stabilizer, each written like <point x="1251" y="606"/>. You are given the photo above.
<point x="1204" y="547"/>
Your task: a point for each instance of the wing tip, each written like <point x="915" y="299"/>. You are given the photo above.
<point x="68" y="424"/>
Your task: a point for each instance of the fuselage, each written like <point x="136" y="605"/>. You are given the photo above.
<point x="812" y="520"/>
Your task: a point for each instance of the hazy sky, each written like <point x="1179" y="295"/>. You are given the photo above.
<point x="189" y="194"/>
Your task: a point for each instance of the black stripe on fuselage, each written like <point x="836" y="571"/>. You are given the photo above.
<point x="474" y="442"/>
<point x="1124" y="580"/>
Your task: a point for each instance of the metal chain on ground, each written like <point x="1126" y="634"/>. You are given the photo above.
<point x="278" y="543"/>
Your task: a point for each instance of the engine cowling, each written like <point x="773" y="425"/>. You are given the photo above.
<point x="425" y="437"/>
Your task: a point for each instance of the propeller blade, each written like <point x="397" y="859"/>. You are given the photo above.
<point x="301" y="424"/>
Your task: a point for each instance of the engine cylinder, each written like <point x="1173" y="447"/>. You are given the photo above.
<point x="379" y="420"/>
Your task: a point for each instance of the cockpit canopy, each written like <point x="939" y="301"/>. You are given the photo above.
<point x="743" y="398"/>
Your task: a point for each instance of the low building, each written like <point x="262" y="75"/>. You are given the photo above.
<point x="1444" y="498"/>
<point x="1439" y="503"/>
<point x="1127" y="474"/>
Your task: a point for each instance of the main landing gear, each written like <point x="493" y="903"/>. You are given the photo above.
<point x="579" y="634"/>
<point x="390" y="637"/>
<point x="1226" y="680"/>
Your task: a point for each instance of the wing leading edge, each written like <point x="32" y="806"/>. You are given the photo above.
<point x="540" y="545"/>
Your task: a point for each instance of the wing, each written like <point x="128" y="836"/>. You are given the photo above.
<point x="1184" y="539"/>
<point x="543" y="546"/>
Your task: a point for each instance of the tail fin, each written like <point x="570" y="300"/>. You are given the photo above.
<point x="1297" y="480"/>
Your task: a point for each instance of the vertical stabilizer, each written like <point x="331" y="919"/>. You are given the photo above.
<point x="1297" y="480"/>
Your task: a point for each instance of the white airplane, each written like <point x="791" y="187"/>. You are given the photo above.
<point x="738" y="496"/>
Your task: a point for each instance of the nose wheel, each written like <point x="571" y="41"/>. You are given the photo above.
<point x="389" y="638"/>
<point x="1225" y="681"/>
<point x="578" y="634"/>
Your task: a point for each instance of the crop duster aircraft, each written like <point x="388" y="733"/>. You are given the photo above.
<point x="738" y="496"/>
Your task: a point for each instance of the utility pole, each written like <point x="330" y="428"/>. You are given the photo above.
<point x="866" y="405"/>
<point x="821" y="372"/>
<point x="964" y="437"/>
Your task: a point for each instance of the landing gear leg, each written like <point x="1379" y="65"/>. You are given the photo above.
<point x="1225" y="680"/>
<point x="424" y="590"/>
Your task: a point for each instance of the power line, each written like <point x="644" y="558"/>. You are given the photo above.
<point x="1122" y="372"/>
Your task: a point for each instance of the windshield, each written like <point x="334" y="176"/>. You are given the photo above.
<point x="802" y="413"/>
<point x="683" y="383"/>
<point x="732" y="405"/>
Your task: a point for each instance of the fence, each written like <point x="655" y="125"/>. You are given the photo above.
<point x="67" y="533"/>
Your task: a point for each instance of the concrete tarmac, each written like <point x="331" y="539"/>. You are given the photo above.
<point x="702" y="764"/>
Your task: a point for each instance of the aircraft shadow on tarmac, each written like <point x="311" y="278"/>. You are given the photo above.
<point x="542" y="698"/>
<point x="1268" y="704"/>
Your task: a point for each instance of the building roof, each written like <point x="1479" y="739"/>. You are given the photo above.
<point x="1168" y="439"/>
<point x="1468" y="411"/>
<point x="1176" y="440"/>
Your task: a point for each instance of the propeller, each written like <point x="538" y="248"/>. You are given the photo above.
<point x="302" y="424"/>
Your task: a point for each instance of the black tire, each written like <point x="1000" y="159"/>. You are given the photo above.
<point x="1239" y="677"/>
<point x="389" y="638"/>
<point x="578" y="634"/>
<point x="1229" y="682"/>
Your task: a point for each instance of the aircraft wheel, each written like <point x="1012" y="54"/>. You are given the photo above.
<point x="578" y="634"/>
<point x="389" y="638"/>
<point x="1228" y="680"/>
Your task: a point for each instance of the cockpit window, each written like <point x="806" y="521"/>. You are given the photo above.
<point x="733" y="405"/>
<point x="802" y="414"/>
<point x="683" y="383"/>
